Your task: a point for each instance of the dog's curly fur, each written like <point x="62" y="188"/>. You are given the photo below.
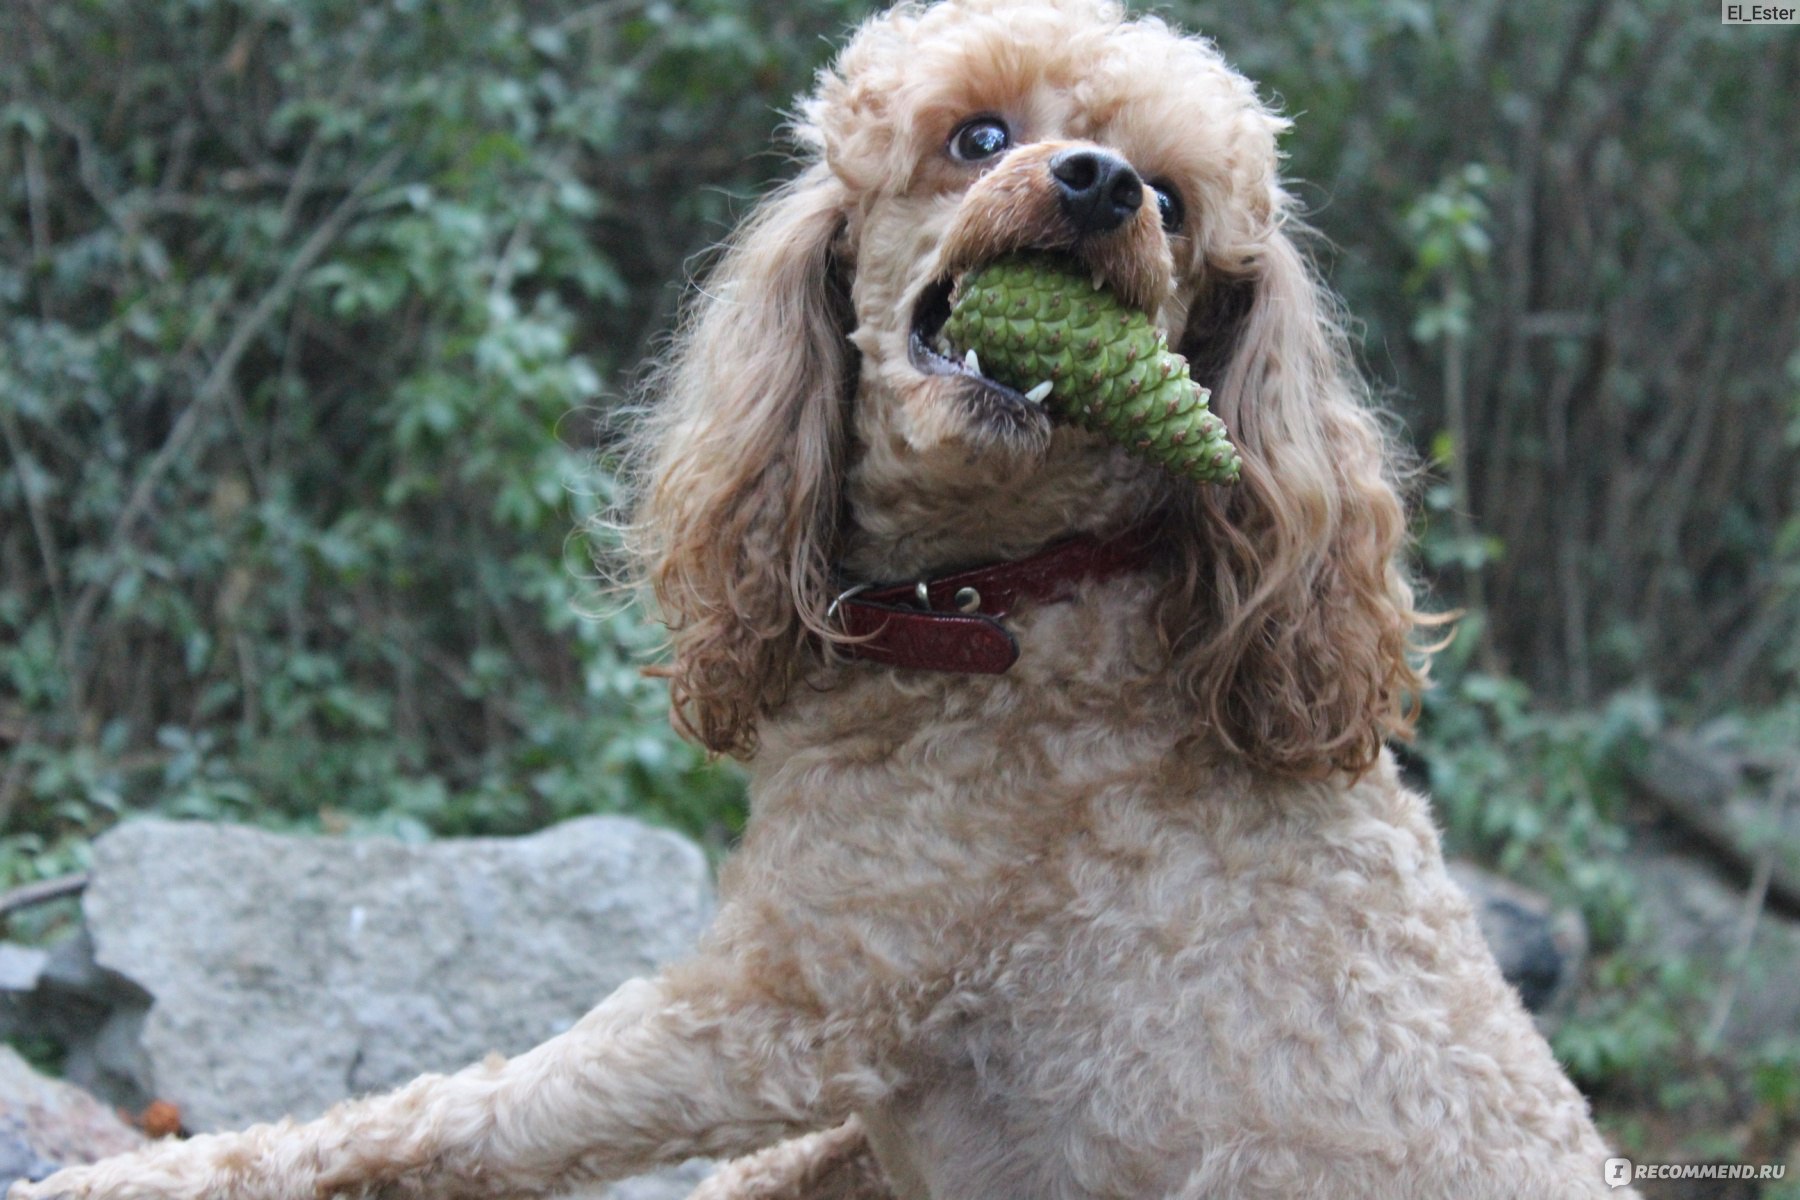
<point x="1150" y="914"/>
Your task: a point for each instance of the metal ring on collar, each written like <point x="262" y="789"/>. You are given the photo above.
<point x="847" y="593"/>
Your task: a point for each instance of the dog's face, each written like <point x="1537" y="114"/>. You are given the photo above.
<point x="967" y="131"/>
<point x="811" y="428"/>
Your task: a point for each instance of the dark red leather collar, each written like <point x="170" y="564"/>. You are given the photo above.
<point x="952" y="623"/>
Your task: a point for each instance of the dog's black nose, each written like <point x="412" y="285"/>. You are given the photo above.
<point x="1099" y="191"/>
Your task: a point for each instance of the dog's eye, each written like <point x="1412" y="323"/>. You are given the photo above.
<point x="1168" y="201"/>
<point x="980" y="138"/>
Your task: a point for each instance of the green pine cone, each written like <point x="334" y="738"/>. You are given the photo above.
<point x="1031" y="318"/>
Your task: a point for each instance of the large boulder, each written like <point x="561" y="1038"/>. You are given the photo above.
<point x="286" y="973"/>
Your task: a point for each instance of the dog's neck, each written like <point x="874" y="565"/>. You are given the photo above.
<point x="974" y="509"/>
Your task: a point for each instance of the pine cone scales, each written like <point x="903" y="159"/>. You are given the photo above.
<point x="1031" y="319"/>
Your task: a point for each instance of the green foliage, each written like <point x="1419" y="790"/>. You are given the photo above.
<point x="1539" y="794"/>
<point x="1775" y="1077"/>
<point x="306" y="313"/>
<point x="1448" y="227"/>
<point x="1633" y="1028"/>
<point x="1599" y="200"/>
<point x="1544" y="796"/>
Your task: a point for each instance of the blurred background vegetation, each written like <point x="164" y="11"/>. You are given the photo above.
<point x="310" y="312"/>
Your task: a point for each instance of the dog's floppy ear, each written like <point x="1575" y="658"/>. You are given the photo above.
<point x="1292" y="621"/>
<point x="738" y="506"/>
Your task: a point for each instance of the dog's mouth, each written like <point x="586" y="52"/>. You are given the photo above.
<point x="932" y="354"/>
<point x="998" y="413"/>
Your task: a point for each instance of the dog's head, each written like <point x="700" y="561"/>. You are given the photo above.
<point x="809" y="418"/>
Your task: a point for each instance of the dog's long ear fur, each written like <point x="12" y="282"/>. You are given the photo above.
<point x="738" y="504"/>
<point x="1292" y="621"/>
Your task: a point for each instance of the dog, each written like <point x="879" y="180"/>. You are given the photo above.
<point x="1077" y="866"/>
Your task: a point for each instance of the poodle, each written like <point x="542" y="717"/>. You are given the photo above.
<point x="1076" y="865"/>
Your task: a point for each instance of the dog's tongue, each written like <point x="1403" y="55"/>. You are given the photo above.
<point x="1043" y="327"/>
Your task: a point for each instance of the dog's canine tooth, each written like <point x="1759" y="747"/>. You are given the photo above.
<point x="1038" y="394"/>
<point x="1099" y="282"/>
<point x="972" y="362"/>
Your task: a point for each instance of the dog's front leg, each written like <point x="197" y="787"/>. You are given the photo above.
<point x="681" y="1065"/>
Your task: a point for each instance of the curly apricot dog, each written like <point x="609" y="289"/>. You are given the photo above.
<point x="1076" y="867"/>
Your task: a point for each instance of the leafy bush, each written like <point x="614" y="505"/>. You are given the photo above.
<point x="1626" y="362"/>
<point x="306" y="316"/>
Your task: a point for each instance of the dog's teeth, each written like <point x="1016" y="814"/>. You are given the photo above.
<point x="971" y="362"/>
<point x="1040" y="393"/>
<point x="1099" y="282"/>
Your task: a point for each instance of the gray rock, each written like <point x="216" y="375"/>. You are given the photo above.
<point x="676" y="1183"/>
<point x="1540" y="949"/>
<point x="286" y="973"/>
<point x="21" y="967"/>
<point x="1725" y="810"/>
<point x="94" y="1014"/>
<point x="46" y="1124"/>
<point x="1691" y="911"/>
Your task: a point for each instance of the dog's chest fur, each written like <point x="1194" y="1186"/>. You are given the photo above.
<point x="1114" y="963"/>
